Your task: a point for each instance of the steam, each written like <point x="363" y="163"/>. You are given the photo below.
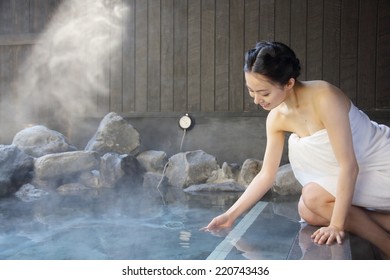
<point x="68" y="68"/>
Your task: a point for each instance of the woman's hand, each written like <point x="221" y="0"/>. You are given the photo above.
<point x="328" y="235"/>
<point x="220" y="222"/>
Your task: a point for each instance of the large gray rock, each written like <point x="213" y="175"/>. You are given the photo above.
<point x="189" y="168"/>
<point x="16" y="169"/>
<point x="38" y="141"/>
<point x="114" y="135"/>
<point x="65" y="165"/>
<point x="120" y="170"/>
<point x="29" y="192"/>
<point x="153" y="161"/>
<point x="285" y="182"/>
<point x="250" y="168"/>
<point x="226" y="173"/>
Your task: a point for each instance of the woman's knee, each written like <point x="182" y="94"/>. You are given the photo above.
<point x="314" y="195"/>
<point x="309" y="216"/>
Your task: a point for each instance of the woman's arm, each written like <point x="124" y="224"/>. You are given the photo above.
<point x="333" y="109"/>
<point x="262" y="181"/>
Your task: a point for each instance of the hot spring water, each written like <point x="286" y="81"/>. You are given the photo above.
<point x="110" y="225"/>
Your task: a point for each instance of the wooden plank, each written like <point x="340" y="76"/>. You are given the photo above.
<point x="38" y="15"/>
<point x="383" y="56"/>
<point x="154" y="58"/>
<point x="267" y="20"/>
<point x="349" y="47"/>
<point x="299" y="32"/>
<point x="331" y="55"/>
<point x="167" y="56"/>
<point x="252" y="18"/>
<point x="236" y="75"/>
<point x="141" y="59"/>
<point x="221" y="56"/>
<point x="314" y="40"/>
<point x="116" y="60"/>
<point x="5" y="59"/>
<point x="282" y="21"/>
<point x="368" y="12"/>
<point x="6" y="22"/>
<point x="194" y="52"/>
<point x="128" y="59"/>
<point x="207" y="61"/>
<point x="20" y="17"/>
<point x="180" y="55"/>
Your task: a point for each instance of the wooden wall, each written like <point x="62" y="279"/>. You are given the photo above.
<point x="187" y="55"/>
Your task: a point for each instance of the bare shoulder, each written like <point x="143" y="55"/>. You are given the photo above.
<point x="275" y="121"/>
<point x="325" y="94"/>
<point x="320" y="87"/>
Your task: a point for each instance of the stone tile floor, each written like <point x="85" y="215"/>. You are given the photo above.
<point x="272" y="230"/>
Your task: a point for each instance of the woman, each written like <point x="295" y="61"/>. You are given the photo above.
<point x="340" y="157"/>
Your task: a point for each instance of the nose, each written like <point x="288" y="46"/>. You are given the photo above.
<point x="258" y="100"/>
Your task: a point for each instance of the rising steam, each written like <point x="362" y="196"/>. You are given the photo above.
<point x="68" y="69"/>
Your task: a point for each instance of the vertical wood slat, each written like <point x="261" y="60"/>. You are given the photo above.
<point x="267" y="20"/>
<point x="194" y="55"/>
<point x="167" y="21"/>
<point x="282" y="21"/>
<point x="141" y="59"/>
<point x="299" y="32"/>
<point x="251" y="33"/>
<point x="236" y="42"/>
<point x="331" y="54"/>
<point x="383" y="56"/>
<point x="180" y="56"/>
<point x="366" y="53"/>
<point x="116" y="58"/>
<point x="207" y="61"/>
<point x="20" y="19"/>
<point x="222" y="56"/>
<point x="348" y="47"/>
<point x="128" y="59"/>
<point x="154" y="58"/>
<point x="314" y="50"/>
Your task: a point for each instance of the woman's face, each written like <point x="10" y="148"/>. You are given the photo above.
<point x="264" y="93"/>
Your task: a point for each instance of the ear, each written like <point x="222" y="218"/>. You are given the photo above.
<point x="290" y="84"/>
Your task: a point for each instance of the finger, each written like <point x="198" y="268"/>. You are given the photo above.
<point x="340" y="239"/>
<point x="330" y="240"/>
<point x="315" y="233"/>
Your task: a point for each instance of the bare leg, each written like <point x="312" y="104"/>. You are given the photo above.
<point x="368" y="225"/>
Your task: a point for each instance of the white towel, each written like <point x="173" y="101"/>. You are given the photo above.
<point x="312" y="160"/>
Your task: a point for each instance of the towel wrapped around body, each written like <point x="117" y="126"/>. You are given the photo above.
<point x="312" y="160"/>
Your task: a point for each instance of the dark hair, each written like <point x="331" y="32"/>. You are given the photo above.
<point x="274" y="60"/>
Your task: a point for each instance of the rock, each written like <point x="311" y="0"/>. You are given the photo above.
<point x="16" y="169"/>
<point x="110" y="170"/>
<point x="153" y="161"/>
<point x="285" y="182"/>
<point x="38" y="141"/>
<point x="90" y="179"/>
<point x="250" y="168"/>
<point x="120" y="169"/>
<point x="65" y="165"/>
<point x="29" y="192"/>
<point x="228" y="186"/>
<point x="189" y="168"/>
<point x="227" y="172"/>
<point x="114" y="135"/>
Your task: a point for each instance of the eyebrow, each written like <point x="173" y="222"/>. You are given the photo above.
<point x="260" y="90"/>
